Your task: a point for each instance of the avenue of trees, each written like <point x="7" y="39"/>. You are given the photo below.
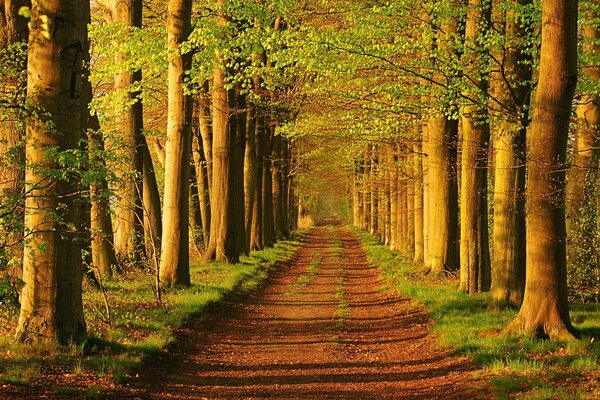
<point x="464" y="134"/>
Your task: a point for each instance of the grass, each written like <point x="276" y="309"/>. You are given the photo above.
<point x="138" y="326"/>
<point x="472" y="326"/>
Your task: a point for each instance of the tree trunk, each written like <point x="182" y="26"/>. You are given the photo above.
<point x="442" y="196"/>
<point x="250" y="170"/>
<point x="151" y="208"/>
<point x="237" y="229"/>
<point x="174" y="255"/>
<point x="256" y="231"/>
<point x="544" y="312"/>
<point x="51" y="306"/>
<point x="586" y="150"/>
<point x="276" y="185"/>
<point x="373" y="226"/>
<point x="13" y="29"/>
<point x="474" y="237"/>
<point x="201" y="170"/>
<point x="508" y="264"/>
<point x="268" y="227"/>
<point x="410" y="206"/>
<point x="128" y="208"/>
<point x="418" y="200"/>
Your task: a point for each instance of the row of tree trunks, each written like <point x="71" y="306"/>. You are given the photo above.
<point x="430" y="182"/>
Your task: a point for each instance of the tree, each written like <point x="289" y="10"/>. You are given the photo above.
<point x="129" y="213"/>
<point x="474" y="237"/>
<point x="174" y="256"/>
<point x="512" y="82"/>
<point x="13" y="37"/>
<point x="51" y="308"/>
<point x="544" y="312"/>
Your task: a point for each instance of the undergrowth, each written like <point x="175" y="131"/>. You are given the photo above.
<point x="138" y="327"/>
<point x="471" y="326"/>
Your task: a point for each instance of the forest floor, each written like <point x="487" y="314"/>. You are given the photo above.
<point x="322" y="327"/>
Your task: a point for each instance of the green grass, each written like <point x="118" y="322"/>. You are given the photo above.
<point x="472" y="326"/>
<point x="138" y="326"/>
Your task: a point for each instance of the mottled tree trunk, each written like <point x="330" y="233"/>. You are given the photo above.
<point x="151" y="208"/>
<point x="51" y="306"/>
<point x="268" y="226"/>
<point x="202" y="185"/>
<point x="545" y="312"/>
<point x="256" y="230"/>
<point x="13" y="29"/>
<point x="174" y="255"/>
<point x="250" y="171"/>
<point x="508" y="263"/>
<point x="128" y="204"/>
<point x="474" y="236"/>
<point x="418" y="200"/>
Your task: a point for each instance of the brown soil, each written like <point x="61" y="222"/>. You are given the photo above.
<point x="321" y="328"/>
<point x="332" y="333"/>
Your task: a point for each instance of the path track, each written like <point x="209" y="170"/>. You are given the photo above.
<point x="322" y="328"/>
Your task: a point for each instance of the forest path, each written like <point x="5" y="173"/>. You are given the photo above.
<point x="321" y="328"/>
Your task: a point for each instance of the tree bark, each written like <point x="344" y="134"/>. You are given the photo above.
<point x="174" y="255"/>
<point x="13" y="29"/>
<point x="508" y="263"/>
<point x="128" y="208"/>
<point x="51" y="306"/>
<point x="544" y="312"/>
<point x="474" y="237"/>
<point x="152" y="211"/>
<point x="418" y="200"/>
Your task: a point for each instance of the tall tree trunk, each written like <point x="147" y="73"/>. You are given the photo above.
<point x="508" y="263"/>
<point x="374" y="213"/>
<point x="268" y="226"/>
<point x="586" y="150"/>
<point x="13" y="29"/>
<point x="394" y="209"/>
<point x="442" y="196"/>
<point x="410" y="205"/>
<point x="128" y="208"/>
<point x="51" y="306"/>
<point x="418" y="200"/>
<point x="237" y="228"/>
<point x="104" y="257"/>
<point x="174" y="255"/>
<point x="256" y="231"/>
<point x="367" y="189"/>
<point x="285" y="184"/>
<point x="151" y="208"/>
<point x="545" y="312"/>
<point x="442" y="189"/>
<point x="474" y="237"/>
<point x="276" y="185"/>
<point x="201" y="170"/>
<point x="250" y="170"/>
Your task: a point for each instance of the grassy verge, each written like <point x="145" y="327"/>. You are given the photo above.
<point x="472" y="326"/>
<point x="136" y="326"/>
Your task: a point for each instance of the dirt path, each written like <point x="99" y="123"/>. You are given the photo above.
<point x="321" y="328"/>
